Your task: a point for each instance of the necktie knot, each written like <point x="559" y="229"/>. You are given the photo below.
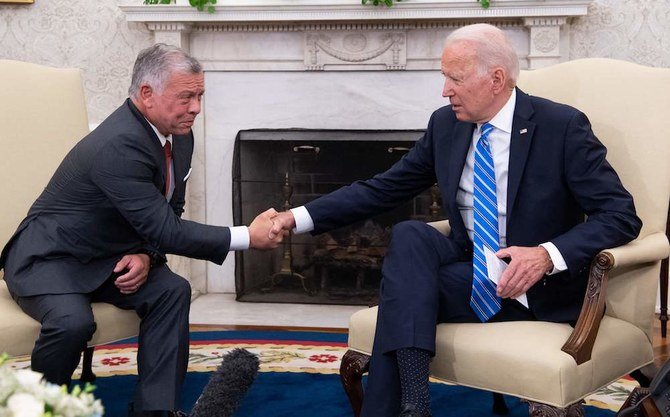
<point x="486" y="129"/>
<point x="167" y="148"/>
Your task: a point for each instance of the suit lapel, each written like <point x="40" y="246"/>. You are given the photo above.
<point x="180" y="150"/>
<point x="155" y="145"/>
<point x="521" y="138"/>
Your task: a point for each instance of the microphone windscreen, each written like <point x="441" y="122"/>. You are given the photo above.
<point x="227" y="385"/>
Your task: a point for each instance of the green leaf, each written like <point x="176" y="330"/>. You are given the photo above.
<point x="89" y="388"/>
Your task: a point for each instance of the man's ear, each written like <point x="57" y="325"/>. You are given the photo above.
<point x="146" y="95"/>
<point x="498" y="80"/>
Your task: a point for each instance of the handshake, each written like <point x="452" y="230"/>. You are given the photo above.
<point x="269" y="228"/>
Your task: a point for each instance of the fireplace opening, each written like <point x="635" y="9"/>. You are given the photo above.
<point x="288" y="168"/>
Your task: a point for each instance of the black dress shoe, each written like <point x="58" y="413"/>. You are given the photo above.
<point x="409" y="410"/>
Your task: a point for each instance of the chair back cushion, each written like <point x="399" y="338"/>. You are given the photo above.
<point x="627" y="105"/>
<point x="42" y="114"/>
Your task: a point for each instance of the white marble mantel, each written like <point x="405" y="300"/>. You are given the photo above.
<point x="324" y="64"/>
<point x="544" y="20"/>
<point x="350" y="10"/>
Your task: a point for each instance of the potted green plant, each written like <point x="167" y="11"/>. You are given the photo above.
<point x="198" y="4"/>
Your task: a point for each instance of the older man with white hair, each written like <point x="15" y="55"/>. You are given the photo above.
<point x="520" y="176"/>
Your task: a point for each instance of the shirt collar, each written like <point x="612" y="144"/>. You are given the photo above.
<point x="503" y="119"/>
<point x="161" y="138"/>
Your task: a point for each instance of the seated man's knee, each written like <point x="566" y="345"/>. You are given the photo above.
<point x="408" y="231"/>
<point x="70" y="330"/>
<point x="178" y="288"/>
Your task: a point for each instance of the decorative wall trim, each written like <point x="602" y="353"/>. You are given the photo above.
<point x="351" y="10"/>
<point x="305" y="27"/>
<point x="350" y="50"/>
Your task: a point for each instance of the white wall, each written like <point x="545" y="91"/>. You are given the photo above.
<point x="94" y="36"/>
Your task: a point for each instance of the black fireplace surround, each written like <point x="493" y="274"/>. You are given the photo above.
<point x="288" y="168"/>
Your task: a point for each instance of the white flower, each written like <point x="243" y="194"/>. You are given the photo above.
<point x="8" y="384"/>
<point x="25" y="405"/>
<point x="27" y="377"/>
<point x="29" y="380"/>
<point x="24" y="393"/>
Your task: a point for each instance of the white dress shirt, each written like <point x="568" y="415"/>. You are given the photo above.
<point x="499" y="139"/>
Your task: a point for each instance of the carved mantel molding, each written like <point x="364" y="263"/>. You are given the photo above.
<point x="384" y="29"/>
<point x="350" y="10"/>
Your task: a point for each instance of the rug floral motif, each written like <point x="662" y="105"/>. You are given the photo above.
<point x="281" y="356"/>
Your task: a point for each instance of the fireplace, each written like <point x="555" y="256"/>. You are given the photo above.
<point x="323" y="64"/>
<point x="289" y="167"/>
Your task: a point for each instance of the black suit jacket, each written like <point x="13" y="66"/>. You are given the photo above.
<point x="558" y="175"/>
<point x="104" y="201"/>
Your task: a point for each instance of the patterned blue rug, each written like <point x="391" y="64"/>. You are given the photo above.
<point x="298" y="378"/>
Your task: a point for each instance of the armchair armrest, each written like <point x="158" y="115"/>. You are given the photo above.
<point x="651" y="248"/>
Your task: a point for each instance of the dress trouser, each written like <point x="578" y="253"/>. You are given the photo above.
<point x="427" y="279"/>
<point x="162" y="303"/>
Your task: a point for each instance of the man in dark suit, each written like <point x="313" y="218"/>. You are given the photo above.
<point x="102" y="226"/>
<point x="518" y="175"/>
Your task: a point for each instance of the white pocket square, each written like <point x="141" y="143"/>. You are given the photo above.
<point x="188" y="174"/>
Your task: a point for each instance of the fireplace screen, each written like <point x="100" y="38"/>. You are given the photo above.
<point x="288" y="168"/>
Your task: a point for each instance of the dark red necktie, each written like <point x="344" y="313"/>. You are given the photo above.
<point x="168" y="164"/>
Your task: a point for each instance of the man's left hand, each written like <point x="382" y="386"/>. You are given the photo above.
<point x="527" y="266"/>
<point x="137" y="270"/>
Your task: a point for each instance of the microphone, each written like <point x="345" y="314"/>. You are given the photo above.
<point x="227" y="385"/>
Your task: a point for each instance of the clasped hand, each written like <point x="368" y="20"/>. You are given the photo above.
<point x="269" y="228"/>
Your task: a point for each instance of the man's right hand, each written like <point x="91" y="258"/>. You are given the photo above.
<point x="283" y="222"/>
<point x="260" y="231"/>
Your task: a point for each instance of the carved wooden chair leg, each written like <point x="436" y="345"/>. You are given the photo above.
<point x="499" y="405"/>
<point x="87" y="374"/>
<point x="544" y="410"/>
<point x="354" y="365"/>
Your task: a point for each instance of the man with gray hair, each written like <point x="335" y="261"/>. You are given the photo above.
<point x="102" y="227"/>
<point x="518" y="175"/>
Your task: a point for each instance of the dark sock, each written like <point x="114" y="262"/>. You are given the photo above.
<point x="413" y="364"/>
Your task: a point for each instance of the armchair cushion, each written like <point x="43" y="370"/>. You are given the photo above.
<point x="19" y="331"/>
<point x="484" y="355"/>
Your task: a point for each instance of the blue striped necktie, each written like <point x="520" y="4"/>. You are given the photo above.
<point x="483" y="299"/>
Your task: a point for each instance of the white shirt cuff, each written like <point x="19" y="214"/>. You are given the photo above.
<point x="239" y="238"/>
<point x="556" y="258"/>
<point x="303" y="221"/>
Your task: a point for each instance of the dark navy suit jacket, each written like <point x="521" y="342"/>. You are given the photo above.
<point x="104" y="201"/>
<point x="558" y="175"/>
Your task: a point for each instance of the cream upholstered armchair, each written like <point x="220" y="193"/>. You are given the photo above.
<point x="42" y="114"/>
<point x="555" y="365"/>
